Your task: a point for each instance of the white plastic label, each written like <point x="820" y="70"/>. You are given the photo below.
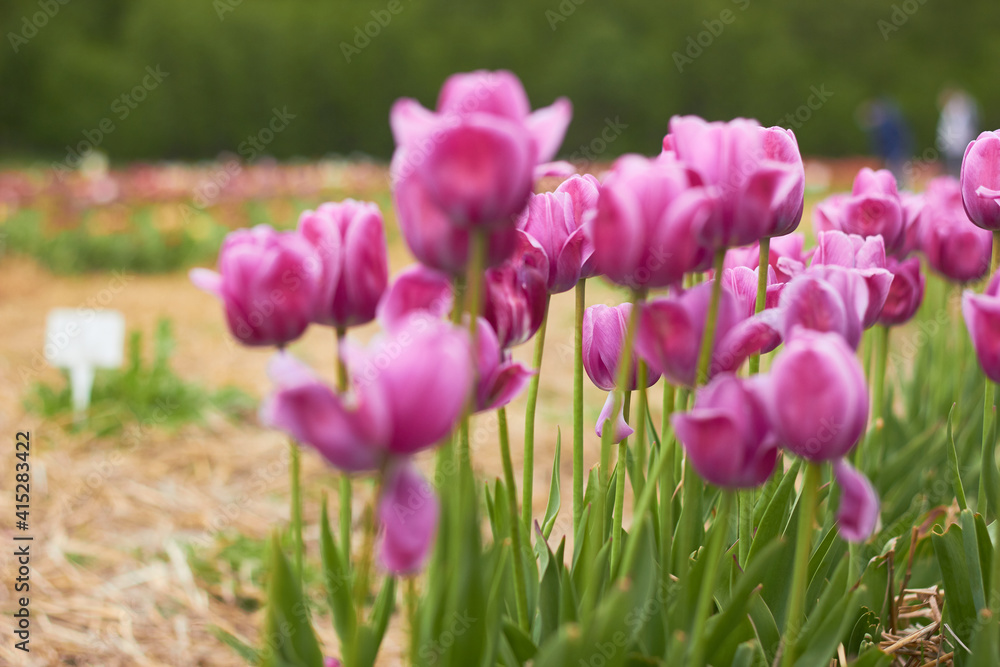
<point x="81" y="340"/>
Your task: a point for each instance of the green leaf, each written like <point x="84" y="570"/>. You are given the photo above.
<point x="820" y="646"/>
<point x="960" y="610"/>
<point x="970" y="543"/>
<point x="382" y="610"/>
<point x="288" y="635"/>
<point x="765" y="628"/>
<point x="778" y="508"/>
<point x="549" y="594"/>
<point x="524" y="649"/>
<point x="338" y="581"/>
<point x="985" y="550"/>
<point x="244" y="650"/>
<point x="872" y="658"/>
<point x="552" y="509"/>
<point x="956" y="471"/>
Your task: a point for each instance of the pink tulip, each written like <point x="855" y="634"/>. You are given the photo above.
<point x="499" y="378"/>
<point x="982" y="319"/>
<point x="826" y="299"/>
<point x="416" y="289"/>
<point x="671" y="329"/>
<point x="954" y="246"/>
<point x="866" y="256"/>
<point x="981" y="181"/>
<point x="435" y="241"/>
<point x="604" y="330"/>
<point x="727" y="434"/>
<point x="331" y="662"/>
<point x="268" y="282"/>
<point x="913" y="209"/>
<point x="350" y="240"/>
<point x="785" y="257"/>
<point x="905" y="294"/>
<point x="755" y="175"/>
<point x="516" y="294"/>
<point x="648" y="216"/>
<point x="555" y="220"/>
<point x="408" y="511"/>
<point x="382" y="415"/>
<point x="858" y="511"/>
<point x="873" y="208"/>
<point x="475" y="156"/>
<point x="817" y="396"/>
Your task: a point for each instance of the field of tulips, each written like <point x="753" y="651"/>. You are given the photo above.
<point x="664" y="414"/>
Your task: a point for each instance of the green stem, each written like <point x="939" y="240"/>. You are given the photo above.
<point x="800" y="572"/>
<point x="362" y="585"/>
<point x="474" y="295"/>
<point x="995" y="258"/>
<point x="645" y="500"/>
<point x="616" y="540"/>
<point x="878" y="396"/>
<point x="988" y="456"/>
<point x="708" y="338"/>
<point x="296" y="508"/>
<point x="520" y="590"/>
<point x="412" y="619"/>
<point x="667" y="483"/>
<point x="712" y="553"/>
<point x="346" y="514"/>
<point x="765" y="258"/>
<point x="528" y="476"/>
<point x="581" y="304"/>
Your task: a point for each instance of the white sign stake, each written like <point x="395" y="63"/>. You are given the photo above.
<point x="81" y="341"/>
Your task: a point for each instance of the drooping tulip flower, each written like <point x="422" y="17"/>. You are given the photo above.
<point x="475" y="156"/>
<point x="604" y="330"/>
<point x="954" y="246"/>
<point x="981" y="181"/>
<point x="866" y="256"/>
<point x="408" y="512"/>
<point x="499" y="378"/>
<point x="416" y="288"/>
<point x="982" y="319"/>
<point x="350" y="240"/>
<point x="727" y="434"/>
<point x="555" y="220"/>
<point x="913" y="209"/>
<point x="382" y="415"/>
<point x="671" y="328"/>
<point x="268" y="282"/>
<point x="435" y="241"/>
<point x="647" y="220"/>
<point x="817" y="396"/>
<point x="873" y="208"/>
<point x="826" y="299"/>
<point x="905" y="294"/>
<point x="755" y="175"/>
<point x="859" y="505"/>
<point x="515" y="293"/>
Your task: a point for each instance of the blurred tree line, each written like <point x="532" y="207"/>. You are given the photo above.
<point x="337" y="66"/>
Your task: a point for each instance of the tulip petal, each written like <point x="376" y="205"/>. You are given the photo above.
<point x="982" y="319"/>
<point x="408" y="511"/>
<point x="207" y="281"/>
<point x="708" y="436"/>
<point x="511" y="379"/>
<point x="557" y="169"/>
<point x="548" y="127"/>
<point x="621" y="427"/>
<point x="859" y="504"/>
<point x="410" y="121"/>
<point x="416" y="289"/>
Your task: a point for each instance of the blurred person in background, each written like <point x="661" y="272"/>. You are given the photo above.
<point x="957" y="126"/>
<point x="888" y="133"/>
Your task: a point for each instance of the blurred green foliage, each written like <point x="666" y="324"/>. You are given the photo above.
<point x="230" y="63"/>
<point x="143" y="393"/>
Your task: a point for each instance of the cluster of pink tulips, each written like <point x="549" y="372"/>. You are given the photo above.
<point x="702" y="236"/>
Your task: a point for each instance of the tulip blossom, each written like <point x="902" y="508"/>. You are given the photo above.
<point x="982" y="319"/>
<point x="555" y="220"/>
<point x="350" y="240"/>
<point x="268" y="282"/>
<point x="647" y="220"/>
<point x="671" y="329"/>
<point x="515" y="294"/>
<point x="873" y="208"/>
<point x="382" y="415"/>
<point x="953" y="245"/>
<point x="604" y="330"/>
<point x="437" y="243"/>
<point x="913" y="218"/>
<point x="905" y="294"/>
<point x="858" y="511"/>
<point x="755" y="177"/>
<point x="817" y="396"/>
<point x="408" y="512"/>
<point x="499" y="378"/>
<point x="981" y="181"/>
<point x="867" y="257"/>
<point x="473" y="159"/>
<point x="826" y="299"/>
<point x="727" y="434"/>
<point x="785" y="257"/>
<point x="416" y="289"/>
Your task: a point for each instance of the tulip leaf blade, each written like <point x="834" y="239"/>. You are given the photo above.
<point x="287" y="618"/>
<point x="555" y="501"/>
<point x="338" y="588"/>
